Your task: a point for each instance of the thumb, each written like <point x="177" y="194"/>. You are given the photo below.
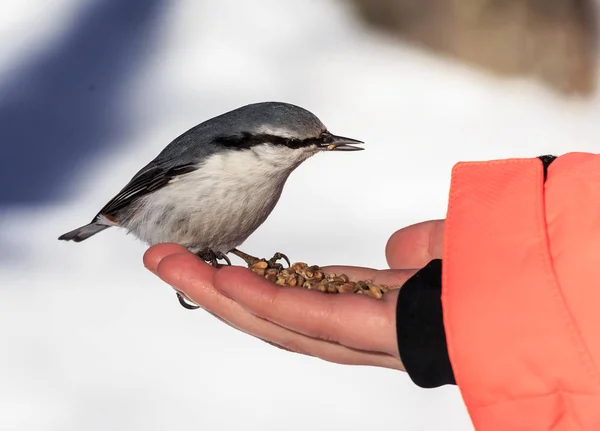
<point x="415" y="246"/>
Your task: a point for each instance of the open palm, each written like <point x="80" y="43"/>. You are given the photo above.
<point x="347" y="329"/>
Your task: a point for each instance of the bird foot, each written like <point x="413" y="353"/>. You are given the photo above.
<point x="272" y="263"/>
<point x="209" y="256"/>
<point x="212" y="257"/>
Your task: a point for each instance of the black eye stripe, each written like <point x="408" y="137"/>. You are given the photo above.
<point x="247" y="140"/>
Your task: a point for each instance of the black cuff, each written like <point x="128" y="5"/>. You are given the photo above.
<point x="420" y="328"/>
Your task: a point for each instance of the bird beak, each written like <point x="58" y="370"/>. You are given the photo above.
<point x="339" y="143"/>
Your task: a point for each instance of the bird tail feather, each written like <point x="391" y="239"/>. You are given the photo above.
<point x="83" y="232"/>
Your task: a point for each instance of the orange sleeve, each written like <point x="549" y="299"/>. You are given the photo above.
<point x="521" y="292"/>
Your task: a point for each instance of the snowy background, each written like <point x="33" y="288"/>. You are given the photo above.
<point x="92" y="90"/>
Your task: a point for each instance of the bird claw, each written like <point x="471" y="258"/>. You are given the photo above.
<point x="212" y="257"/>
<point x="273" y="261"/>
<point x="223" y="256"/>
<point x="185" y="304"/>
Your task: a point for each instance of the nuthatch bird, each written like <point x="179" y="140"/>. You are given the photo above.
<point x="215" y="184"/>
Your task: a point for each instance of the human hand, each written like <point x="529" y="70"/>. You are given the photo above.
<point x="344" y="328"/>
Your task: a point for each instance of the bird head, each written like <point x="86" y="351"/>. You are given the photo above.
<point x="281" y="133"/>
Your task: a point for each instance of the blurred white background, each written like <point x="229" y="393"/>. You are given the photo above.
<point x="92" y="90"/>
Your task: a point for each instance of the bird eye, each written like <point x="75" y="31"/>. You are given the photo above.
<point x="326" y="137"/>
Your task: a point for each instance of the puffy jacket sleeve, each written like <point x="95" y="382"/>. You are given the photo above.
<point x="521" y="292"/>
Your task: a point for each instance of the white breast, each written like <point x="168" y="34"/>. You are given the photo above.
<point x="218" y="205"/>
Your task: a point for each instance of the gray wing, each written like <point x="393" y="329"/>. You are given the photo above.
<point x="148" y="180"/>
<point x="195" y="144"/>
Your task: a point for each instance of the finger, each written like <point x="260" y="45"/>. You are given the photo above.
<point x="330" y="352"/>
<point x="389" y="277"/>
<point x="186" y="272"/>
<point x="415" y="246"/>
<point x="270" y="343"/>
<point x="192" y="278"/>
<point x="158" y="252"/>
<point x="355" y="321"/>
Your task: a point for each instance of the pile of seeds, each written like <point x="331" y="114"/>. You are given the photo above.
<point x="313" y="278"/>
